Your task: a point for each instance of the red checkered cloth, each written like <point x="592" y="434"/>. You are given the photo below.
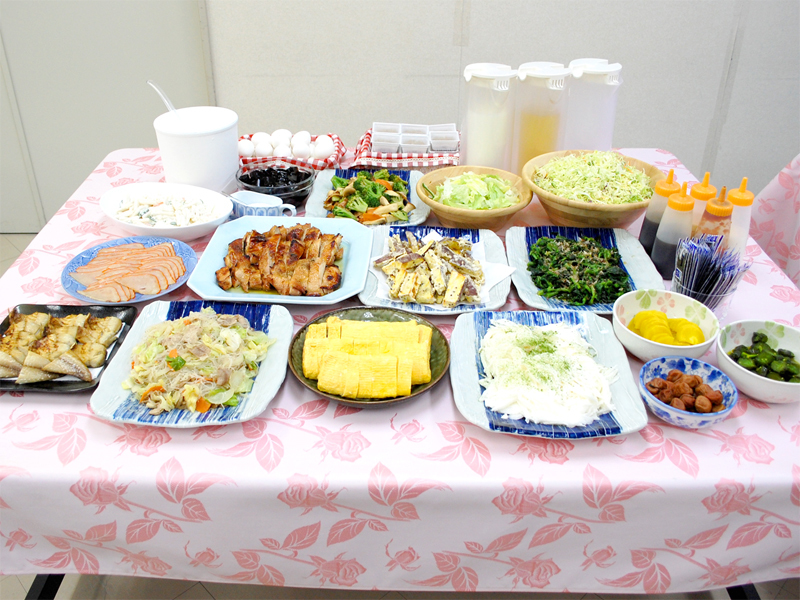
<point x="365" y="157"/>
<point x="329" y="163"/>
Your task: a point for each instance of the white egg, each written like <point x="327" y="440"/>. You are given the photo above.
<point x="324" y="139"/>
<point x="323" y="151"/>
<point x="282" y="150"/>
<point x="260" y="137"/>
<point x="301" y="150"/>
<point x="301" y="137"/>
<point x="264" y="149"/>
<point x="282" y="135"/>
<point x="246" y="148"/>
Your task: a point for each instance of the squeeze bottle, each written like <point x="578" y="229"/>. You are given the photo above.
<point x="716" y="219"/>
<point x="675" y="225"/>
<point x="655" y="210"/>
<point x="702" y="193"/>
<point x="742" y="200"/>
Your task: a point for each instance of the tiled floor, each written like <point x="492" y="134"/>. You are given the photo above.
<point x="89" y="587"/>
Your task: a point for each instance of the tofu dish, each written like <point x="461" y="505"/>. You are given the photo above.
<point x="294" y="261"/>
<point x="438" y="272"/>
<point x="369" y="360"/>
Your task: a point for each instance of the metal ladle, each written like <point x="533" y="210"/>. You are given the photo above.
<point x="161" y="93"/>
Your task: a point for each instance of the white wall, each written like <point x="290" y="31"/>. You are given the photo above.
<point x="717" y="82"/>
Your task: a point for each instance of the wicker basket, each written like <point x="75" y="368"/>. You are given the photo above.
<point x="576" y="213"/>
<point x="450" y="216"/>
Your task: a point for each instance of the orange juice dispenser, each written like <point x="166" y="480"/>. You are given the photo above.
<point x="591" y="104"/>
<point x="487" y="125"/>
<point x="539" y="111"/>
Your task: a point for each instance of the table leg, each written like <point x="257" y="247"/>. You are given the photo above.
<point x="743" y="592"/>
<point x="44" y="587"/>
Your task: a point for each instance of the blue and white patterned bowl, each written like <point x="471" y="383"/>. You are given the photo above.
<point x="659" y="367"/>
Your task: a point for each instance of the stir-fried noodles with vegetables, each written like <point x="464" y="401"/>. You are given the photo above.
<point x="196" y="363"/>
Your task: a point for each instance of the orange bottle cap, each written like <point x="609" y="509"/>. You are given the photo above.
<point x="719" y="206"/>
<point x="681" y="201"/>
<point x="704" y="191"/>
<point x="742" y="196"/>
<point x="667" y="187"/>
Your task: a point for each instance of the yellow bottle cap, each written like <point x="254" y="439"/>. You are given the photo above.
<point x="681" y="201"/>
<point x="667" y="187"/>
<point x="742" y="196"/>
<point x="704" y="191"/>
<point x="719" y="206"/>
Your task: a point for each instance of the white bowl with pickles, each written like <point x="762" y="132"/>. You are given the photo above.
<point x="759" y="362"/>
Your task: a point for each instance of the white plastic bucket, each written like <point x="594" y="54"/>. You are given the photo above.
<point x="199" y="146"/>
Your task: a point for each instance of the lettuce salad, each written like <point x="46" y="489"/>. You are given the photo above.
<point x="196" y="363"/>
<point x="477" y="192"/>
<point x="602" y="177"/>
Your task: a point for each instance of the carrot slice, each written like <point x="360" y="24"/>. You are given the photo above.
<point x="387" y="184"/>
<point x="202" y="405"/>
<point x="173" y="353"/>
<point x="150" y="390"/>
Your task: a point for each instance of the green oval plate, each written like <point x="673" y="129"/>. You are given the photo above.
<point x="440" y="352"/>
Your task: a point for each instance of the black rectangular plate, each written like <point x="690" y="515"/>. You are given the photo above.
<point x="126" y="314"/>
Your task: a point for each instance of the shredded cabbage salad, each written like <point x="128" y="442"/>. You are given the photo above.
<point x="480" y="192"/>
<point x="602" y="177"/>
<point x="202" y="361"/>
<point x="544" y="374"/>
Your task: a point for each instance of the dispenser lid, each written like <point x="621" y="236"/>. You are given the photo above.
<point x="704" y="191"/>
<point x="593" y="66"/>
<point x="542" y="70"/>
<point x="488" y="71"/>
<point x="680" y="201"/>
<point x="719" y="206"/>
<point x="742" y="196"/>
<point x="667" y="187"/>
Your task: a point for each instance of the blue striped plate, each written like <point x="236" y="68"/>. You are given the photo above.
<point x="322" y="185"/>
<point x="493" y="249"/>
<point x="641" y="271"/>
<point x="466" y="370"/>
<point x="113" y="403"/>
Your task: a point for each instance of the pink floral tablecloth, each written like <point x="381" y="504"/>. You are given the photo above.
<point x="312" y="493"/>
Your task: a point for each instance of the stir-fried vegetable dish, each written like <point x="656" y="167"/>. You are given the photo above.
<point x="196" y="363"/>
<point x="577" y="271"/>
<point x="369" y="198"/>
<point x="602" y="177"/>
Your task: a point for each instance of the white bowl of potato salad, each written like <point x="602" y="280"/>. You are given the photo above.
<point x="174" y="210"/>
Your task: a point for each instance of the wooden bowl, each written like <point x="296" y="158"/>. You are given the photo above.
<point x="576" y="213"/>
<point x="450" y="216"/>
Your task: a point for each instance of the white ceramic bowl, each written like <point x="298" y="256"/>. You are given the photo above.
<point x="674" y="305"/>
<point x="659" y="367"/>
<point x="749" y="383"/>
<point x="220" y="208"/>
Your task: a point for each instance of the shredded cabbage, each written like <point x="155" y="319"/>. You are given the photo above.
<point x="602" y="177"/>
<point x="544" y="374"/>
<point x="480" y="192"/>
<point x="203" y="356"/>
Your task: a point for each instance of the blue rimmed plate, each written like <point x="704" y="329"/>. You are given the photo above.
<point x="466" y="370"/>
<point x="641" y="271"/>
<point x="357" y="243"/>
<point x="493" y="250"/>
<point x="73" y="288"/>
<point x="113" y="403"/>
<point x="322" y="185"/>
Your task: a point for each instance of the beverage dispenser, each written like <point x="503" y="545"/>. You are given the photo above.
<point x="539" y="111"/>
<point x="486" y="129"/>
<point x="591" y="104"/>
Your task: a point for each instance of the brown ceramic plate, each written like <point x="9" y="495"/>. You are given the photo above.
<point x="440" y="352"/>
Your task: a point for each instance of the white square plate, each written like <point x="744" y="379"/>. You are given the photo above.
<point x="493" y="248"/>
<point x="322" y="185"/>
<point x="466" y="370"/>
<point x="110" y="401"/>
<point x="643" y="274"/>
<point x="354" y="265"/>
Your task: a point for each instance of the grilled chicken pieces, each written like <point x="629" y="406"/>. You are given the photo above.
<point x="295" y="261"/>
<point x="38" y="347"/>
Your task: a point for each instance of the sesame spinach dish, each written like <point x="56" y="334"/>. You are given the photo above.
<point x="578" y="272"/>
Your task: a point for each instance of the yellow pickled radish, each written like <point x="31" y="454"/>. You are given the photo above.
<point x="656" y="327"/>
